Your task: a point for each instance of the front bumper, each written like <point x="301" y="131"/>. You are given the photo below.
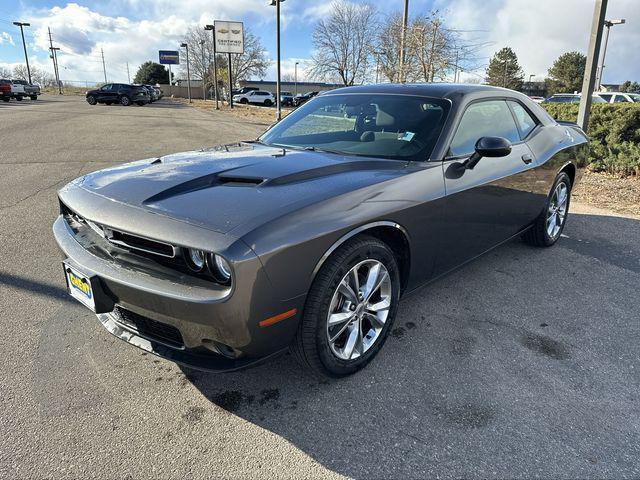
<point x="218" y="328"/>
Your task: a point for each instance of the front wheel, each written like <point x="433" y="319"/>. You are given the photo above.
<point x="34" y="97"/>
<point x="91" y="100"/>
<point x="349" y="309"/>
<point x="548" y="227"/>
<point x="125" y="101"/>
<point x="244" y="101"/>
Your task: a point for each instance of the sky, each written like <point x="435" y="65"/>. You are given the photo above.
<point x="134" y="30"/>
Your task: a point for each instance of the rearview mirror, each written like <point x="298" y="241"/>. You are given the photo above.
<point x="488" y="147"/>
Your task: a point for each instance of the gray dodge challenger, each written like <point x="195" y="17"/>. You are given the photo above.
<point x="308" y="237"/>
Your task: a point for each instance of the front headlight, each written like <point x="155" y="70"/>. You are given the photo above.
<point x="195" y="259"/>
<point x="220" y="268"/>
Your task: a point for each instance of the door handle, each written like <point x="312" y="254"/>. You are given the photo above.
<point x="526" y="158"/>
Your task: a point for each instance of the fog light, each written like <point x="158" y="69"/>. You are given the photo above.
<point x="196" y="259"/>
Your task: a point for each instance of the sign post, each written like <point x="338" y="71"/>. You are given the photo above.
<point x="169" y="57"/>
<point x="229" y="38"/>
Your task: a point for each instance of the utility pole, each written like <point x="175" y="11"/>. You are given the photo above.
<point x="403" y="38"/>
<point x="104" y="68"/>
<point x="276" y="3"/>
<point x="295" y="79"/>
<point x="128" y="74"/>
<point x="215" y="63"/>
<point x="24" y="45"/>
<point x="186" y="46"/>
<point x="595" y="38"/>
<point x="55" y="61"/>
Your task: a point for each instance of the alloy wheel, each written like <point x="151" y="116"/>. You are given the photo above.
<point x="557" y="212"/>
<point x="359" y="309"/>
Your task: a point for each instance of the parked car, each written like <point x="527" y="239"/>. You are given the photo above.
<point x="118" y="93"/>
<point x="256" y="96"/>
<point x="303" y="97"/>
<point x="308" y="237"/>
<point x="243" y="90"/>
<point x="17" y="90"/>
<point x="286" y="99"/>
<point x="619" y="97"/>
<point x="159" y="92"/>
<point x="570" y="98"/>
<point x="28" y="89"/>
<point x="153" y="95"/>
<point x="5" y="89"/>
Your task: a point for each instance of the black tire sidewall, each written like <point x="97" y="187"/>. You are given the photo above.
<point x="372" y="249"/>
<point x="91" y="100"/>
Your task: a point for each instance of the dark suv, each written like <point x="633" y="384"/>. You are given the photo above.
<point x="119" y="93"/>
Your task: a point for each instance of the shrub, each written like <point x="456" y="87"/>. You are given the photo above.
<point x="614" y="132"/>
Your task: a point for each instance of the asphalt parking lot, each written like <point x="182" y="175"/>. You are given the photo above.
<point x="523" y="364"/>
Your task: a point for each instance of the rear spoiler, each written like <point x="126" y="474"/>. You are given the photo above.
<point x="572" y="125"/>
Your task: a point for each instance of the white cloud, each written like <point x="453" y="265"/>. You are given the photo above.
<point x="540" y="31"/>
<point x="6" y="38"/>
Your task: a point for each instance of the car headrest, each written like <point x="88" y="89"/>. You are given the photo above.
<point x="383" y="119"/>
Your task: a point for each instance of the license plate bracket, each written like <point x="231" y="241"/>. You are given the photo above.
<point x="87" y="289"/>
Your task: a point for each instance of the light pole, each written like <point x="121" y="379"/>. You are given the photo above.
<point x="215" y="63"/>
<point x="295" y="78"/>
<point x="186" y="47"/>
<point x="24" y="45"/>
<point x="276" y="3"/>
<point x="608" y="24"/>
<point x="204" y="90"/>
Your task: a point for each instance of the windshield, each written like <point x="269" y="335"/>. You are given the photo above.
<point x="374" y="125"/>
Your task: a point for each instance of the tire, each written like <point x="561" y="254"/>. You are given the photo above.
<point x="312" y="346"/>
<point x="140" y="104"/>
<point x="108" y="103"/>
<point x="244" y="101"/>
<point x="125" y="101"/>
<point x="91" y="100"/>
<point x="542" y="234"/>
<point x="19" y="99"/>
<point x="34" y="97"/>
<point x="268" y="103"/>
<point x="6" y="99"/>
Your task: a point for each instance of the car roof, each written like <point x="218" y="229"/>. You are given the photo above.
<point x="437" y="90"/>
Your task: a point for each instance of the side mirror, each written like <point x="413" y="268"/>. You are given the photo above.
<point x="488" y="147"/>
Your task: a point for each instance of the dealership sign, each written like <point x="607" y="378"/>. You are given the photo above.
<point x="229" y="37"/>
<point x="169" y="57"/>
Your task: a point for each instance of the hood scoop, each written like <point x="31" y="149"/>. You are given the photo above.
<point x="204" y="182"/>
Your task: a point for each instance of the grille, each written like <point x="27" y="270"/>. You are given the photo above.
<point x="149" y="328"/>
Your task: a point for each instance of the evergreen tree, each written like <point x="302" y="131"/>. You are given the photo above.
<point x="567" y="73"/>
<point x="151" y="73"/>
<point x="504" y="70"/>
<point x="630" y="87"/>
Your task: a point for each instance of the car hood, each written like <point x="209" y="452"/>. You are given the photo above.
<point x="244" y="184"/>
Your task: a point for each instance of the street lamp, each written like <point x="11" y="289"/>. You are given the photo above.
<point x="276" y="3"/>
<point x="295" y="77"/>
<point x="24" y="45"/>
<point x="186" y="46"/>
<point x="608" y="24"/>
<point x="215" y="63"/>
<point x="204" y="90"/>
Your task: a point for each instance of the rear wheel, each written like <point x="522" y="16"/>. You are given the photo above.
<point x="350" y="308"/>
<point x="91" y="100"/>
<point x="268" y="103"/>
<point x="19" y="99"/>
<point x="125" y="101"/>
<point x="244" y="101"/>
<point x="548" y="227"/>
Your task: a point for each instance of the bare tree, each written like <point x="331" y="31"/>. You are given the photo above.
<point x="5" y="72"/>
<point x="344" y="43"/>
<point x="253" y="62"/>
<point x="20" y="72"/>
<point x="388" y="48"/>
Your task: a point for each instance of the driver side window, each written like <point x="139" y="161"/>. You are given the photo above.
<point x="490" y="118"/>
<point x="106" y="88"/>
